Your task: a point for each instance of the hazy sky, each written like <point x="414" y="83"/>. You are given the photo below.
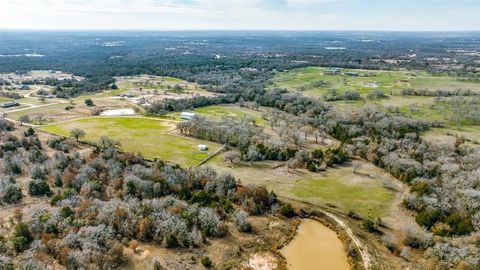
<point x="412" y="15"/>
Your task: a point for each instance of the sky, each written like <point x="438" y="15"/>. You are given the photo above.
<point x="385" y="15"/>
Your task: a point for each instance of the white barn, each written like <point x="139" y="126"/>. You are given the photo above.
<point x="187" y="115"/>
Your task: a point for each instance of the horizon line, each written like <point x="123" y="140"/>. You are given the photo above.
<point x="226" y="30"/>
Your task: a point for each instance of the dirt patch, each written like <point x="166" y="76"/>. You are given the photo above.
<point x="236" y="250"/>
<point x="262" y="262"/>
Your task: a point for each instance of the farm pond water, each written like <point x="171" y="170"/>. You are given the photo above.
<point x="118" y="112"/>
<point x="315" y="247"/>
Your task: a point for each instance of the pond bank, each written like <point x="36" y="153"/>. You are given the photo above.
<point x="353" y="252"/>
<point x="315" y="246"/>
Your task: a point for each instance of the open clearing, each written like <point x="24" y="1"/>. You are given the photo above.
<point x="317" y="81"/>
<point x="58" y="112"/>
<point x="155" y="88"/>
<point x="368" y="190"/>
<point x="147" y="136"/>
<point x="234" y="111"/>
<point x="457" y="114"/>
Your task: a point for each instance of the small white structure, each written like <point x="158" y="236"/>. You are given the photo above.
<point x="187" y="115"/>
<point x="202" y="147"/>
<point x="118" y="112"/>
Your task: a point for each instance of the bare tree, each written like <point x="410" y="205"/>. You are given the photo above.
<point x="232" y="156"/>
<point x="105" y="142"/>
<point x="24" y="119"/>
<point x="77" y="134"/>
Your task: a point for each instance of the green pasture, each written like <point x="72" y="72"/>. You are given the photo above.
<point x="317" y="81"/>
<point x="147" y="136"/>
<point x="364" y="192"/>
<point x="218" y="111"/>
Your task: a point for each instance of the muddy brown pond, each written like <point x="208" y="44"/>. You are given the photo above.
<point x="315" y="247"/>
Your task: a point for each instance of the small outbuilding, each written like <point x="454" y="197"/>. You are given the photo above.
<point x="187" y="115"/>
<point x="352" y="74"/>
<point x="9" y="104"/>
<point x="202" y="147"/>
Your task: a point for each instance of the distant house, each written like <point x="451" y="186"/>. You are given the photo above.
<point x="334" y="70"/>
<point x="353" y="74"/>
<point x="50" y="96"/>
<point x="25" y="87"/>
<point x="187" y="115"/>
<point x="202" y="147"/>
<point x="9" y="104"/>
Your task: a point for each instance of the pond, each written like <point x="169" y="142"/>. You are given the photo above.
<point x="118" y="112"/>
<point x="315" y="247"/>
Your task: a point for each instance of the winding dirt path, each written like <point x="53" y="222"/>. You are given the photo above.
<point x="367" y="260"/>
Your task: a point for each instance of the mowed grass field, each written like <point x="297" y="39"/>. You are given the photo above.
<point x="139" y="135"/>
<point x="57" y="112"/>
<point x="144" y="83"/>
<point x="365" y="191"/>
<point x="316" y="81"/>
<point x="234" y="111"/>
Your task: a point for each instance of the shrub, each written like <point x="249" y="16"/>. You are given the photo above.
<point x="21" y="237"/>
<point x="56" y="198"/>
<point x="420" y="187"/>
<point x="171" y="241"/>
<point x="240" y="220"/>
<point x="156" y="265"/>
<point x="6" y="263"/>
<point x="39" y="188"/>
<point x="287" y="210"/>
<point x="369" y="225"/>
<point x="389" y="242"/>
<point x="353" y="214"/>
<point x="38" y="172"/>
<point x="12" y="194"/>
<point x="206" y="262"/>
<point x="209" y="221"/>
<point x="351" y="95"/>
<point x="459" y="224"/>
<point x="66" y="212"/>
<point x="30" y="131"/>
<point x="6" y="125"/>
<point x="89" y="102"/>
<point x="428" y="217"/>
<point x="317" y="153"/>
<point x="417" y="239"/>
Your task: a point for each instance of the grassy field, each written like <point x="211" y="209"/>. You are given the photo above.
<point x="369" y="199"/>
<point x="448" y="135"/>
<point x="316" y="81"/>
<point x="145" y="84"/>
<point x="139" y="135"/>
<point x="58" y="113"/>
<point x="365" y="191"/>
<point x="227" y="111"/>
